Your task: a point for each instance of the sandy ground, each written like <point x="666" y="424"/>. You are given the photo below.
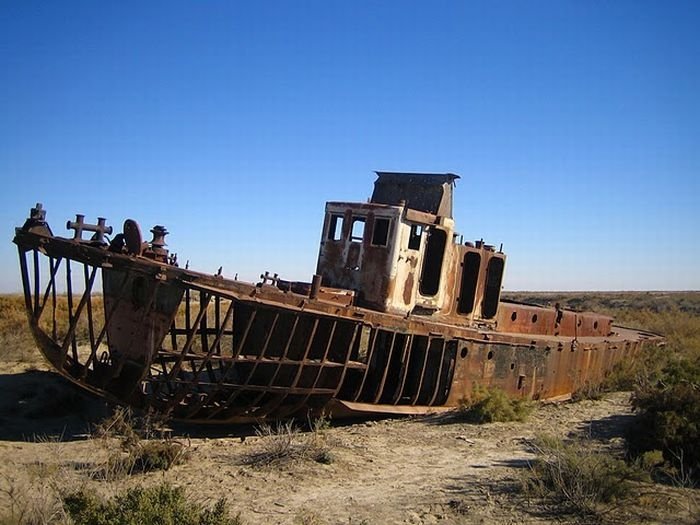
<point x="415" y="471"/>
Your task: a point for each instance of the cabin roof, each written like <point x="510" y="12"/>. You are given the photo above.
<point x="427" y="192"/>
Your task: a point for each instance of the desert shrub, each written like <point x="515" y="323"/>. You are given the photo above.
<point x="144" y="445"/>
<point x="162" y="505"/>
<point x="668" y="419"/>
<point x="145" y="456"/>
<point x="284" y="443"/>
<point x="491" y="405"/>
<point x="590" y="390"/>
<point x="578" y="478"/>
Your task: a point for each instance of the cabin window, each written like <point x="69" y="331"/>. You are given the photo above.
<point x="414" y="237"/>
<point x="380" y="235"/>
<point x="335" y="228"/>
<point x="357" y="231"/>
<point x="432" y="263"/>
<point x="494" y="276"/>
<point x="470" y="276"/>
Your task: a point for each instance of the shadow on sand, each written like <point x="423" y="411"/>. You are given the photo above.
<point x="37" y="404"/>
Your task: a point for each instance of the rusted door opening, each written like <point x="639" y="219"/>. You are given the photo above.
<point x="432" y="263"/>
<point x="494" y="276"/>
<point x="470" y="276"/>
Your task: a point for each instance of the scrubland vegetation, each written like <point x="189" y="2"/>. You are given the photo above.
<point x="492" y="405"/>
<point x="574" y="475"/>
<point x="663" y="440"/>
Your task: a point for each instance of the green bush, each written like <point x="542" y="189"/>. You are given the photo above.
<point x="668" y="419"/>
<point x="159" y="505"/>
<point x="491" y="405"/>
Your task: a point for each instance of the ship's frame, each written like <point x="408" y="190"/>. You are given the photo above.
<point x="205" y="348"/>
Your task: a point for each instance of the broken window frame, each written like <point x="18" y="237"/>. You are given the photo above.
<point x="335" y="227"/>
<point x="469" y="282"/>
<point x="415" y="236"/>
<point x="492" y="287"/>
<point x="431" y="271"/>
<point x="357" y="219"/>
<point x="386" y="231"/>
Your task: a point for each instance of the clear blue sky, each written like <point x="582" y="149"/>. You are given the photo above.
<point x="575" y="126"/>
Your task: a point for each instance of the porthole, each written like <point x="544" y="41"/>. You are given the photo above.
<point x="464" y="352"/>
<point x="513" y="316"/>
<point x="534" y="318"/>
<point x="595" y="325"/>
<point x="512" y="366"/>
<point x="490" y="355"/>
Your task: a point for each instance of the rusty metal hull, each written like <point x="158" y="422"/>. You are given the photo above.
<point x="146" y="333"/>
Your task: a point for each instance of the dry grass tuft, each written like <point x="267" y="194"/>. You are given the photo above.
<point x="145" y="445"/>
<point x="284" y="444"/>
<point x="32" y="501"/>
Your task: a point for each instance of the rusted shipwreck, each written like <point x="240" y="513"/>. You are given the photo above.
<point x="401" y="317"/>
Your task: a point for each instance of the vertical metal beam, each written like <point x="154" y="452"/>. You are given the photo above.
<point x="306" y="354"/>
<point x="203" y="327"/>
<point x="91" y="328"/>
<point x="325" y="354"/>
<point x="259" y="358"/>
<point x="303" y="401"/>
<point x="36" y="283"/>
<point x="187" y="310"/>
<point x="217" y="324"/>
<point x="348" y="352"/>
<point x="205" y="362"/>
<point x="386" y="369"/>
<point x="25" y="285"/>
<point x="300" y="368"/>
<point x="242" y="342"/>
<point x="414" y="399"/>
<point x="405" y="361"/>
<point x="439" y="377"/>
<point x="70" y="336"/>
<point x="272" y="405"/>
<point x="54" y="330"/>
<point x="51" y="287"/>
<point x="190" y="338"/>
<point x="375" y="334"/>
<point x="72" y="325"/>
<point x="217" y="341"/>
<point x="271" y="382"/>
